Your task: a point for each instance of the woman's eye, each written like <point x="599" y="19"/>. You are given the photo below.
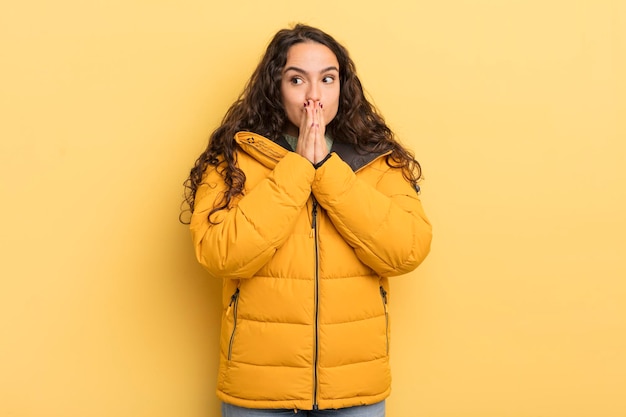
<point x="296" y="81"/>
<point x="328" y="80"/>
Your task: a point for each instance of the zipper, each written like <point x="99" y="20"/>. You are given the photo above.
<point x="383" y="295"/>
<point x="234" y="301"/>
<point x="317" y="302"/>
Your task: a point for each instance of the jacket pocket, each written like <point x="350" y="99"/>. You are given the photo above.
<point x="383" y="296"/>
<point x="232" y="309"/>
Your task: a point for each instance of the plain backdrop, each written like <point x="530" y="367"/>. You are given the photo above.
<point x="516" y="110"/>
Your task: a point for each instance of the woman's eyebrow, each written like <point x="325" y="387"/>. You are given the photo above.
<point x="300" y="70"/>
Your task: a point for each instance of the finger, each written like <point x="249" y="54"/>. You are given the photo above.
<point x="322" y="118"/>
<point x="300" y="145"/>
<point x="306" y="136"/>
<point x="320" y="142"/>
<point x="305" y="115"/>
<point x="307" y="120"/>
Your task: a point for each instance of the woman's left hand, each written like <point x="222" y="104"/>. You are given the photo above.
<point x="311" y="141"/>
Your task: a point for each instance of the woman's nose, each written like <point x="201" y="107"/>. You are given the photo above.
<point x="313" y="92"/>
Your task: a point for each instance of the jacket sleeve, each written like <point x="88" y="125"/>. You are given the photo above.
<point x="384" y="223"/>
<point x="245" y="236"/>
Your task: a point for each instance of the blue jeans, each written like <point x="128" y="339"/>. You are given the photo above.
<point x="374" y="410"/>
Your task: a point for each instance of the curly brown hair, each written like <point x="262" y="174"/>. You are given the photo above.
<point x="259" y="109"/>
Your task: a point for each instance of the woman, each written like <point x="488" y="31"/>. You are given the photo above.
<point x="304" y="204"/>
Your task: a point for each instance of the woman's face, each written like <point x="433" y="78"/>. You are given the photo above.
<point x="311" y="73"/>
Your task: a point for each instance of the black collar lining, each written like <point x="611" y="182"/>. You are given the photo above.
<point x="348" y="153"/>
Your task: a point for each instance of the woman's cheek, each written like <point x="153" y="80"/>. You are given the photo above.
<point x="330" y="116"/>
<point x="294" y="115"/>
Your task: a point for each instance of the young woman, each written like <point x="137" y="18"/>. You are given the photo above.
<point x="304" y="205"/>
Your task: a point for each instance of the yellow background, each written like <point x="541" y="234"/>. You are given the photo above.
<point x="516" y="110"/>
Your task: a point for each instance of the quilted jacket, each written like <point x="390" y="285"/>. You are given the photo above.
<point x="304" y="256"/>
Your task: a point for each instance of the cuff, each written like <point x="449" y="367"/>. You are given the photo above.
<point x="320" y="163"/>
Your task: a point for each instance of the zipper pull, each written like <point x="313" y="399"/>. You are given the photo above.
<point x="383" y="294"/>
<point x="233" y="298"/>
<point x="313" y="218"/>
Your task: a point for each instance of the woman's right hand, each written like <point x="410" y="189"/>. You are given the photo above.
<point x="311" y="142"/>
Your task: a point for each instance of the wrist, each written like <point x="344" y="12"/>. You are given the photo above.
<point x="320" y="163"/>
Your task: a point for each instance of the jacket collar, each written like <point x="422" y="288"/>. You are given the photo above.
<point x="268" y="152"/>
<point x="352" y="156"/>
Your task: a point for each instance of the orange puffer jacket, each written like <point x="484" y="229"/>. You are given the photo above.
<point x="304" y="256"/>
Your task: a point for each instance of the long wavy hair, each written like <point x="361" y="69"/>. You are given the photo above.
<point x="259" y="109"/>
